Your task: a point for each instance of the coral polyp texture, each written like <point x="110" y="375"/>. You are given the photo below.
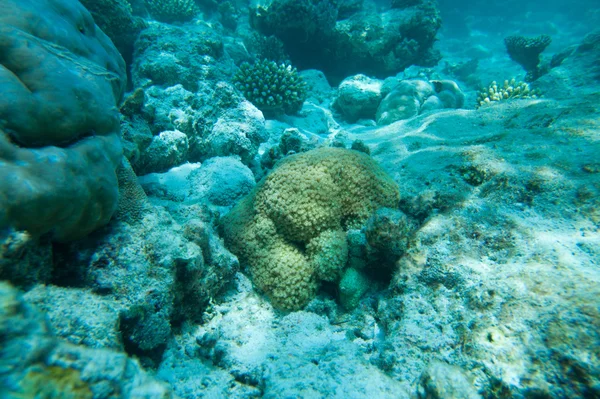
<point x="172" y="10"/>
<point x="271" y="87"/>
<point x="61" y="79"/>
<point x="526" y="52"/>
<point x="290" y="231"/>
<point x="507" y="91"/>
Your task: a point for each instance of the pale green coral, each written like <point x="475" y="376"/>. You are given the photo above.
<point x="328" y="254"/>
<point x="353" y="286"/>
<point x="508" y="90"/>
<point x="290" y="231"/>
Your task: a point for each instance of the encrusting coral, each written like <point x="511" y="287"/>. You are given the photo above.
<point x="290" y="231"/>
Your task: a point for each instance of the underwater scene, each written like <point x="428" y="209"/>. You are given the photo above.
<point x="299" y="199"/>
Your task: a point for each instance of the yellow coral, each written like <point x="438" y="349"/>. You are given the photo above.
<point x="508" y="90"/>
<point x="290" y="230"/>
<point x="53" y="382"/>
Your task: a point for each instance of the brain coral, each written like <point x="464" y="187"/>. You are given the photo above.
<point x="290" y="231"/>
<point x="61" y="79"/>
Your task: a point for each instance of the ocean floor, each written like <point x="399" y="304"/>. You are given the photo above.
<point x="496" y="293"/>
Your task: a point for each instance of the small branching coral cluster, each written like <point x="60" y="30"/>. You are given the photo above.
<point x="509" y="90"/>
<point x="271" y="87"/>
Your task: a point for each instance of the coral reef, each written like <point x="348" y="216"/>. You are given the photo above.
<point x="308" y="199"/>
<point x="480" y="281"/>
<point x="526" y="52"/>
<point x="57" y="62"/>
<point x="578" y="72"/>
<point x="508" y="90"/>
<point x="195" y="54"/>
<point x="173" y="267"/>
<point x="273" y="88"/>
<point x="405" y="3"/>
<point x="172" y="10"/>
<point x="359" y="40"/>
<point x="296" y="20"/>
<point x="24" y="260"/>
<point x="266" y="48"/>
<point x="36" y="363"/>
<point x="176" y="125"/>
<point x="115" y="18"/>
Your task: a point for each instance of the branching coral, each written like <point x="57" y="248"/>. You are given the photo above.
<point x="508" y="90"/>
<point x="271" y="87"/>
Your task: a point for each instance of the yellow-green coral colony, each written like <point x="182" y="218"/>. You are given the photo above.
<point x="290" y="232"/>
<point x="271" y="86"/>
<point x="509" y="90"/>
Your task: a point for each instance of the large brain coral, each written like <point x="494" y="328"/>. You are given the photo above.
<point x="61" y="79"/>
<point x="290" y="230"/>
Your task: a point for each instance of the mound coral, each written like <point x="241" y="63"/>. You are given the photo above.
<point x="271" y="87"/>
<point x="290" y="231"/>
<point x="61" y="80"/>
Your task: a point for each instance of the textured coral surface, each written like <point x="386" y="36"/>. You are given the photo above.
<point x="308" y="200"/>
<point x="61" y="80"/>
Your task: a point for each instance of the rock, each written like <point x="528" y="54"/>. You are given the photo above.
<point x="221" y="181"/>
<point x="167" y="55"/>
<point x="410" y="98"/>
<point x="440" y="380"/>
<point x="36" y="363"/>
<point x="166" y="150"/>
<point x="79" y="316"/>
<point x="358" y="97"/>
<point x="238" y="131"/>
<point x="317" y="86"/>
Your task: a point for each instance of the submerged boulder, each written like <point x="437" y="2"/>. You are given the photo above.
<point x="61" y="80"/>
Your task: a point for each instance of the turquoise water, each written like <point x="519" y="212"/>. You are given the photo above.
<point x="299" y="199"/>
